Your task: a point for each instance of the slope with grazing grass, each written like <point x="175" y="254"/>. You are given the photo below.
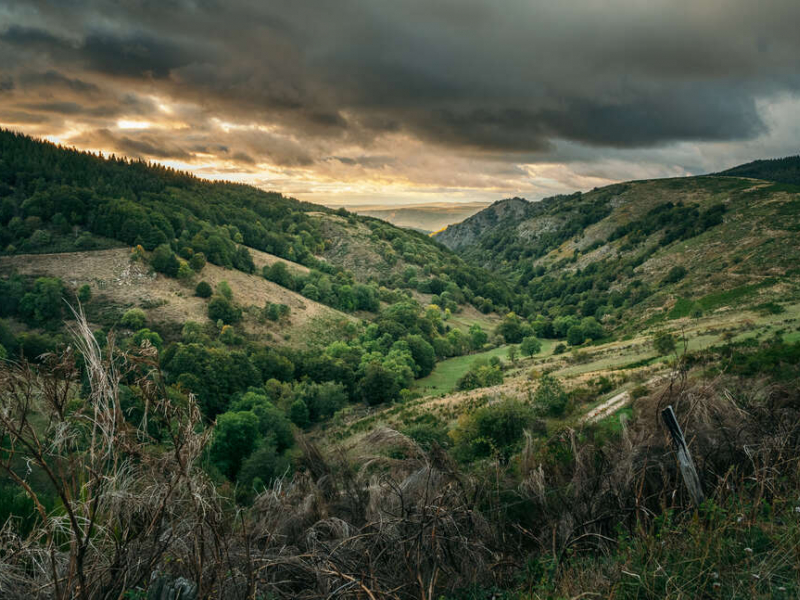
<point x="117" y="281"/>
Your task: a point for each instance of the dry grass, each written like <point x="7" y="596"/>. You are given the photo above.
<point x="114" y="279"/>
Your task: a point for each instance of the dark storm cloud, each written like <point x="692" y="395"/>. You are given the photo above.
<point x="507" y="79"/>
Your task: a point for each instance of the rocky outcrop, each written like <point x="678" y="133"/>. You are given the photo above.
<point x="464" y="234"/>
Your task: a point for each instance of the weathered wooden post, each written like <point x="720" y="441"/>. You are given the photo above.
<point x="688" y="471"/>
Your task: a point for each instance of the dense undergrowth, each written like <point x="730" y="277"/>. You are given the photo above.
<point x="105" y="503"/>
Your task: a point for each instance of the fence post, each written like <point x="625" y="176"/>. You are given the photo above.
<point x="688" y="470"/>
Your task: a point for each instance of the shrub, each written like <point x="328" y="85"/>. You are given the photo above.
<point x="224" y="290"/>
<point x="221" y="309"/>
<point x="145" y="334"/>
<point x="575" y="335"/>
<point x="664" y="343"/>
<point x="298" y="414"/>
<point x="203" y="290"/>
<point x="496" y="429"/>
<point x="197" y="262"/>
<point x="550" y="396"/>
<point x="84" y="293"/>
<point x="480" y="375"/>
<point x="164" y="261"/>
<point x="134" y="319"/>
<point x="185" y="272"/>
<point x="675" y="274"/>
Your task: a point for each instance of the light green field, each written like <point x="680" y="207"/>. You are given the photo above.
<point x="447" y="372"/>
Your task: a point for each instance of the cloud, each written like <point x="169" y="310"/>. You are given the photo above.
<point x="455" y="94"/>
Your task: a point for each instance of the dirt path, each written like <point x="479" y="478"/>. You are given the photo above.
<point x="613" y="404"/>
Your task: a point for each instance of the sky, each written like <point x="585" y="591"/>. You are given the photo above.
<point x="351" y="102"/>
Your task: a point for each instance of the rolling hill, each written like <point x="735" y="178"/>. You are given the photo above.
<point x="643" y="250"/>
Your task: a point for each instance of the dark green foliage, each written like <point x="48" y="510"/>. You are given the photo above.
<point x="275" y="312"/>
<point x="495" y="429"/>
<point x="378" y="385"/>
<point x="84" y="293"/>
<point x="481" y="374"/>
<point x="664" y="343"/>
<point x="214" y="375"/>
<point x="134" y="319"/>
<point x="145" y="334"/>
<point x="675" y="274"/>
<point x="164" y="261"/>
<point x="550" y="396"/>
<point x="513" y="329"/>
<point x="197" y="262"/>
<point x="530" y="346"/>
<point x="44" y="303"/>
<point x="224" y="290"/>
<point x="478" y="337"/>
<point x="298" y="414"/>
<point x="423" y="354"/>
<point x="576" y="336"/>
<point x="222" y="309"/>
<point x="677" y="221"/>
<point x="235" y="437"/>
<point x="784" y="170"/>
<point x="272" y="422"/>
<point x="203" y="290"/>
<point x="427" y="432"/>
<point x="150" y="205"/>
<point x="751" y="359"/>
<point x="262" y="466"/>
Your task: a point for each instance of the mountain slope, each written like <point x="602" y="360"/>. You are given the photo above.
<point x="781" y="170"/>
<point x="54" y="199"/>
<point x="631" y="251"/>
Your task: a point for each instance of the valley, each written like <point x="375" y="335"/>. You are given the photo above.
<point x="320" y="387"/>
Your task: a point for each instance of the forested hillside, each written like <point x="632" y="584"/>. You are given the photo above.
<point x="782" y="170"/>
<point x="54" y="199"/>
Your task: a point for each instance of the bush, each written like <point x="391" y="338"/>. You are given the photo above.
<point x="197" y="262"/>
<point x="203" y="290"/>
<point x="224" y="290"/>
<point x="480" y="375"/>
<point x="575" y="335"/>
<point x="221" y="309"/>
<point x="145" y="334"/>
<point x="44" y="303"/>
<point x="496" y="429"/>
<point x="664" y="343"/>
<point x="675" y="274"/>
<point x="84" y="293"/>
<point x="164" y="261"/>
<point x="550" y="396"/>
<point x="298" y="414"/>
<point x="134" y="319"/>
<point x="423" y="354"/>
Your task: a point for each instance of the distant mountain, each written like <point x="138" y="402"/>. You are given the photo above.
<point x="422" y="217"/>
<point x="782" y="170"/>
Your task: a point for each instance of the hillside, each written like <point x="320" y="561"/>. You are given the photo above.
<point x="54" y="199"/>
<point x="118" y="284"/>
<point x="781" y="170"/>
<point x="354" y="407"/>
<point x="642" y="250"/>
